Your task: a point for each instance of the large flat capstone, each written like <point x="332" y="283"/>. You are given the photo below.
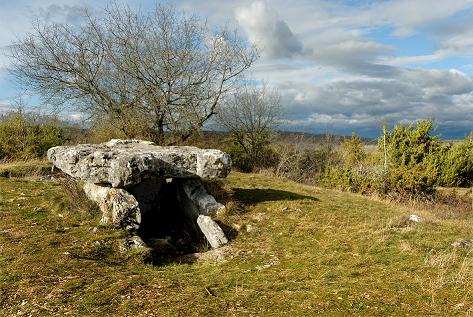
<point x="122" y="163"/>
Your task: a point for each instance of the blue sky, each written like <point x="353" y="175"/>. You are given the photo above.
<point x="340" y="66"/>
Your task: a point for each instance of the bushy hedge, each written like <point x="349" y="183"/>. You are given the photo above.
<point x="409" y="161"/>
<point x="456" y="163"/>
<point x="23" y="137"/>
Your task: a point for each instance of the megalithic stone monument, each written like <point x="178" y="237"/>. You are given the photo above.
<point x="126" y="179"/>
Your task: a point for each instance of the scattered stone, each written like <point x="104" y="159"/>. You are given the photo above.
<point x="215" y="256"/>
<point x="134" y="242"/>
<point x="272" y="261"/>
<point x="249" y="228"/>
<point x="415" y="218"/>
<point x="289" y="209"/>
<point x="464" y="244"/>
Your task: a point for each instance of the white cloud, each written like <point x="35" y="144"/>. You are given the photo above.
<point x="266" y="30"/>
<point x="5" y="107"/>
<point x="458" y="43"/>
<point x="408" y="15"/>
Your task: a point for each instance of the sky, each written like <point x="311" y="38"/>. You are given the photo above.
<point x="341" y="66"/>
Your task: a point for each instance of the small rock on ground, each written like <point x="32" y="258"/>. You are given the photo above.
<point x="215" y="256"/>
<point x="415" y="218"/>
<point x="465" y="244"/>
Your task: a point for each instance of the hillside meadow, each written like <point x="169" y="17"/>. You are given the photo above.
<point x="297" y="250"/>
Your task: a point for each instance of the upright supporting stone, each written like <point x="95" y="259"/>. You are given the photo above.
<point x="199" y="205"/>
<point x="118" y="207"/>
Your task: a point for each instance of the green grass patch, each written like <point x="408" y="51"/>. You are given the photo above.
<point x="298" y="251"/>
<point x="30" y="168"/>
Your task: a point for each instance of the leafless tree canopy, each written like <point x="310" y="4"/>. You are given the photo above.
<point x="250" y="115"/>
<point x="162" y="68"/>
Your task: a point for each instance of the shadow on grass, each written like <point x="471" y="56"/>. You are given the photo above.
<point x="250" y="196"/>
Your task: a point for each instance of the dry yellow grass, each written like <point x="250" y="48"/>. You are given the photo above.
<point x="299" y="251"/>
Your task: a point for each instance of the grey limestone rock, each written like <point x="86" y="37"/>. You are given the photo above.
<point x="122" y="163"/>
<point x="204" y="203"/>
<point x="119" y="208"/>
<point x="212" y="231"/>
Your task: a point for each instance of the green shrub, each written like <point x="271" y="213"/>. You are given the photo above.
<point x="457" y="164"/>
<point x="352" y="151"/>
<point x="414" y="164"/>
<point x="22" y="138"/>
<point x="250" y="156"/>
<point x="350" y="172"/>
<point x="413" y="154"/>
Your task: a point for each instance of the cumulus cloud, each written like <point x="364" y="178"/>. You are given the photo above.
<point x="265" y="29"/>
<point x="351" y="51"/>
<point x="333" y="46"/>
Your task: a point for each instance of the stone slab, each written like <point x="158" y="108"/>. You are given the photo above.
<point x="122" y="163"/>
<point x="119" y="208"/>
<point x="212" y="231"/>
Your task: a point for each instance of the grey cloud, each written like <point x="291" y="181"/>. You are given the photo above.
<point x="71" y="14"/>
<point x="460" y="43"/>
<point x="408" y="15"/>
<point x="350" y="51"/>
<point x="339" y="47"/>
<point x="363" y="104"/>
<point x="265" y="29"/>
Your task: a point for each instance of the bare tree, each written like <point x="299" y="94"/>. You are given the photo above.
<point x="163" y="69"/>
<point x="250" y="116"/>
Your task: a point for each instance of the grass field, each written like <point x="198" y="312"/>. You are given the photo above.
<point x="300" y="251"/>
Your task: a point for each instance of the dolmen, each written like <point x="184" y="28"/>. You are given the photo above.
<point x="133" y="181"/>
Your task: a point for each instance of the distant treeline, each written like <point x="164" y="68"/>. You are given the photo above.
<point x="405" y="160"/>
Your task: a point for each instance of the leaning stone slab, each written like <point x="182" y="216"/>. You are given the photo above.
<point x="204" y="203"/>
<point x="199" y="206"/>
<point x="212" y="231"/>
<point x="118" y="207"/>
<point x="122" y="163"/>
